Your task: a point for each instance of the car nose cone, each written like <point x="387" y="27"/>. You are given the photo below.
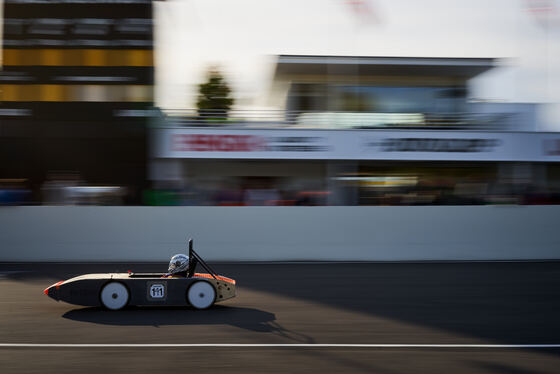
<point x="52" y="290"/>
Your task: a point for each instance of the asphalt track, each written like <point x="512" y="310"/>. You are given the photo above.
<point x="364" y="303"/>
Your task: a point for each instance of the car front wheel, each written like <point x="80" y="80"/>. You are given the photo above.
<point x="114" y="296"/>
<point x="201" y="295"/>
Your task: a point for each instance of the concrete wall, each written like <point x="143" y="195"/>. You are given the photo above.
<point x="280" y="233"/>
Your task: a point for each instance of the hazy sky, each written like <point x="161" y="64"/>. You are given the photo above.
<point x="242" y="35"/>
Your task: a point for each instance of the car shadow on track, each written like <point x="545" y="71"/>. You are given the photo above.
<point x="245" y="318"/>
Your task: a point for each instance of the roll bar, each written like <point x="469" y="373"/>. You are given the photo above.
<point x="194" y="259"/>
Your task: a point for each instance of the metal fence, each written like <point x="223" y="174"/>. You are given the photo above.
<point x="336" y="120"/>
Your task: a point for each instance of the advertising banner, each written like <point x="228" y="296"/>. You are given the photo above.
<point x="279" y="144"/>
<point x="356" y="145"/>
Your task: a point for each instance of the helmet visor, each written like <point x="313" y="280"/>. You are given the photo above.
<point x="178" y="263"/>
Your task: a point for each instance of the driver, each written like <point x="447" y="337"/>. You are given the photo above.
<point x="178" y="267"/>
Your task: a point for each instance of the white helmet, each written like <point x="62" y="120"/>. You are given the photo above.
<point x="178" y="264"/>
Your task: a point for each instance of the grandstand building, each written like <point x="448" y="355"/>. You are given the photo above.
<point x="360" y="130"/>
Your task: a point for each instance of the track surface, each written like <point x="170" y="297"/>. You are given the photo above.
<point x="453" y="303"/>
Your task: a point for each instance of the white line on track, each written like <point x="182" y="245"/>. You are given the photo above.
<point x="227" y="345"/>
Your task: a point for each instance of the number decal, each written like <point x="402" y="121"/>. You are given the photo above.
<point x="156" y="291"/>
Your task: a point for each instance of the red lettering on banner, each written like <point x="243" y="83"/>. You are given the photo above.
<point x="217" y="143"/>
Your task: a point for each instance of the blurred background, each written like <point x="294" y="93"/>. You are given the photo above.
<point x="243" y="103"/>
<point x="369" y="171"/>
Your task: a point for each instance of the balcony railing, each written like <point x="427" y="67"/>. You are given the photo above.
<point x="337" y="120"/>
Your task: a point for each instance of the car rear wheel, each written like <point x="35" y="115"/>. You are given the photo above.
<point x="201" y="295"/>
<point x="114" y="296"/>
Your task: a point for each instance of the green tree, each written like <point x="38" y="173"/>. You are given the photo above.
<point x="214" y="100"/>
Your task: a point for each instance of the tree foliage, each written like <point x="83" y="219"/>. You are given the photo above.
<point x="214" y="96"/>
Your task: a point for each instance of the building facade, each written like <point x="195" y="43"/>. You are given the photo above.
<point x="361" y="131"/>
<point x="76" y="88"/>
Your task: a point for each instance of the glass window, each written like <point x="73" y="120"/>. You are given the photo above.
<point x="381" y="99"/>
<point x="399" y="99"/>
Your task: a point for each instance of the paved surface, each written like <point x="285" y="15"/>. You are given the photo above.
<point x="453" y="303"/>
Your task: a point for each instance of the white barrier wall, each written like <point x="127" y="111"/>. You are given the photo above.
<point x="280" y="233"/>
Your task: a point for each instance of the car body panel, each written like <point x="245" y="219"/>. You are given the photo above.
<point x="144" y="290"/>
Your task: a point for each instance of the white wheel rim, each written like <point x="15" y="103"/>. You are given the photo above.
<point x="201" y="295"/>
<point x="114" y="296"/>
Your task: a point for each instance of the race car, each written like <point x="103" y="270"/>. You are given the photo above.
<point x="115" y="291"/>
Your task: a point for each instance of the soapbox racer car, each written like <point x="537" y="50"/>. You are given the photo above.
<point x="117" y="290"/>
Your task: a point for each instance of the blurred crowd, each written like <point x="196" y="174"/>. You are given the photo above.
<point x="66" y="188"/>
<point x="71" y="189"/>
<point x="443" y="192"/>
<point x="247" y="192"/>
<point x="462" y="193"/>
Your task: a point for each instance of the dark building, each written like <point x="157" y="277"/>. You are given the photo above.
<point x="76" y="91"/>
